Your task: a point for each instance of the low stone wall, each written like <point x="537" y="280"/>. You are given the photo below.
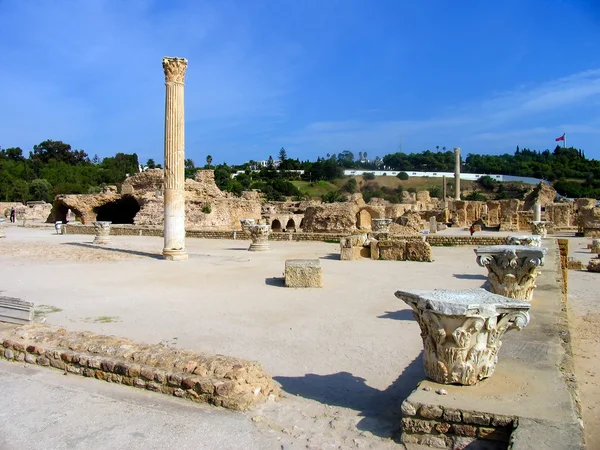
<point x="443" y="241"/>
<point x="433" y="240"/>
<point x="441" y="427"/>
<point x="219" y="380"/>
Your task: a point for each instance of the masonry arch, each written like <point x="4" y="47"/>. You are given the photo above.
<point x="120" y="211"/>
<point x="276" y="226"/>
<point x="291" y="225"/>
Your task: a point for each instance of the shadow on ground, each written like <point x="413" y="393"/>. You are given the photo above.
<point x="403" y="314"/>
<point x="238" y="248"/>
<point x="380" y="409"/>
<point x="470" y="276"/>
<point x="116" y="250"/>
<point x="275" y="281"/>
<point x="331" y="256"/>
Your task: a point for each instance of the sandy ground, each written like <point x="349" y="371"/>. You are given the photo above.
<point x="346" y="355"/>
<point x="584" y="318"/>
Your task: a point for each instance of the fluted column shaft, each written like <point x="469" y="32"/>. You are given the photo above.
<point x="174" y="178"/>
<point x="457" y="174"/>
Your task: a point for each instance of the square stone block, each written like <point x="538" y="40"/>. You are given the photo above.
<point x="303" y="273"/>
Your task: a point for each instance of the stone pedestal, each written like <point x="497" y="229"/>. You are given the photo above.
<point x="381" y="225"/>
<point x="246" y="223"/>
<point x="595" y="247"/>
<point x="461" y="331"/>
<point x="260" y="238"/>
<point x="303" y="273"/>
<point x="540" y="227"/>
<point x="174" y="193"/>
<point x="433" y="227"/>
<point x="102" y="230"/>
<point x="527" y="240"/>
<point x="512" y="269"/>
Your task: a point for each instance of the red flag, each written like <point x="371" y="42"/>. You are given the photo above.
<point x="562" y="138"/>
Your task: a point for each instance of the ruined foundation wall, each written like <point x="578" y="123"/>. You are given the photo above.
<point x="220" y="380"/>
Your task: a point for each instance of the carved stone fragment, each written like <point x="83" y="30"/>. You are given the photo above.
<point x="461" y="331"/>
<point x="512" y="269"/>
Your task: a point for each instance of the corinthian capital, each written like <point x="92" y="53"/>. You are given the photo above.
<point x="174" y="69"/>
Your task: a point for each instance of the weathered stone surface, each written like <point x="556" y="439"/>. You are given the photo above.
<point x="303" y="273"/>
<point x="381" y="225"/>
<point x="260" y="238"/>
<point x="14" y="310"/>
<point x="540" y="227"/>
<point x="512" y="269"/>
<point x="594" y="265"/>
<point x="351" y="254"/>
<point x="229" y="382"/>
<point x="526" y="240"/>
<point x="461" y="331"/>
<point x="595" y="247"/>
<point x="102" y="230"/>
<point x="417" y="250"/>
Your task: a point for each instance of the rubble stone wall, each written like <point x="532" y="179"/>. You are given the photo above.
<point x="441" y="427"/>
<point x="219" y="380"/>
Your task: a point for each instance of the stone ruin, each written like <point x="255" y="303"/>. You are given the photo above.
<point x="140" y="202"/>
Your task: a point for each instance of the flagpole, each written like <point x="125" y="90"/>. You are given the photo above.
<point x="565" y="140"/>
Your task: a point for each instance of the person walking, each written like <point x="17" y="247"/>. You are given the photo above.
<point x="13" y="215"/>
<point x="472" y="229"/>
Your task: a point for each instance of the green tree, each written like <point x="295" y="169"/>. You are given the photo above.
<point x="39" y="190"/>
<point x="151" y="164"/>
<point x="209" y="160"/>
<point x="402" y="176"/>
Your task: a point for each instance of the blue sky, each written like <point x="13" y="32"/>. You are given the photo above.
<point x="315" y="77"/>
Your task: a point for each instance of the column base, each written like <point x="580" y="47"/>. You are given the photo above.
<point x="259" y="247"/>
<point x="174" y="255"/>
<point x="102" y="240"/>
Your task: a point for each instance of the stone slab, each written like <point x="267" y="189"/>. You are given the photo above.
<point x="14" y="310"/>
<point x="460" y="303"/>
<point x="303" y="273"/>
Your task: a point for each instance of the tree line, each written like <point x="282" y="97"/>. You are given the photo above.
<point x="54" y="168"/>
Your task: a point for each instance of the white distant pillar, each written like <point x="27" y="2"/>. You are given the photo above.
<point x="537" y="212"/>
<point x="457" y="174"/>
<point x="174" y="191"/>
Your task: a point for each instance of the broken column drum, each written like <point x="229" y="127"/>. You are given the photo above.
<point x="595" y="247"/>
<point x="540" y="227"/>
<point x="174" y="181"/>
<point x="102" y="230"/>
<point x="260" y="238"/>
<point x="461" y="331"/>
<point x="381" y="225"/>
<point x="512" y="269"/>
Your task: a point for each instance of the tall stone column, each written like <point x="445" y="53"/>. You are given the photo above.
<point x="174" y="192"/>
<point x="444" y="193"/>
<point x="457" y="174"/>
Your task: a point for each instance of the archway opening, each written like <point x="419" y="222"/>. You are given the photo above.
<point x="276" y="226"/>
<point x="121" y="211"/>
<point x="291" y="226"/>
<point x="302" y="224"/>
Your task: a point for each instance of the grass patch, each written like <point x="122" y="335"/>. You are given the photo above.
<point x="102" y="319"/>
<point x="316" y="189"/>
<point x="44" y="310"/>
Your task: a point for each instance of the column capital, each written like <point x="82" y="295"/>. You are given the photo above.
<point x="174" y="69"/>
